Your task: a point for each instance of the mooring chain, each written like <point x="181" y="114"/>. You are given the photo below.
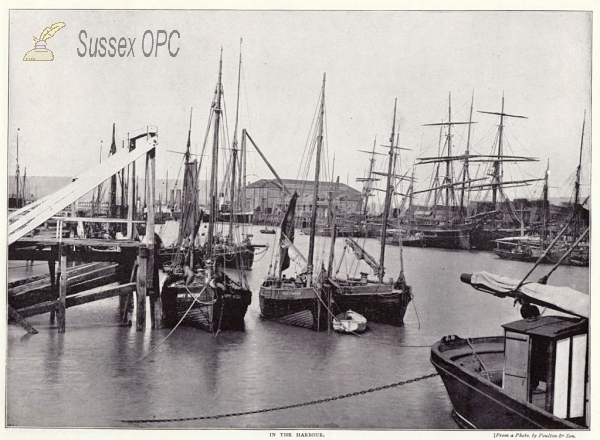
<point x="279" y="408"/>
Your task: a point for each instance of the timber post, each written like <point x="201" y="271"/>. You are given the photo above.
<point x="125" y="272"/>
<point x="62" y="299"/>
<point x="53" y="285"/>
<point x="142" y="273"/>
<point x="152" y="285"/>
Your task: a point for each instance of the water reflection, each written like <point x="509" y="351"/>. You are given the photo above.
<point x="89" y="375"/>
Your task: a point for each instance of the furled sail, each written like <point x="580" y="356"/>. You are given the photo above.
<point x="287" y="233"/>
<point x="563" y="299"/>
<point x="189" y="202"/>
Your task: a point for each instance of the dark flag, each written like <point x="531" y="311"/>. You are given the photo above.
<point x="287" y="233"/>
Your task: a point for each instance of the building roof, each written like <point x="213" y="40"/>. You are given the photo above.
<point x="344" y="191"/>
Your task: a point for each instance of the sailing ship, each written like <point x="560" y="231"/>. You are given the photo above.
<point x="450" y="231"/>
<point x="197" y="290"/>
<point x="297" y="301"/>
<point x="376" y="300"/>
<point x="502" y="220"/>
<point x="535" y="376"/>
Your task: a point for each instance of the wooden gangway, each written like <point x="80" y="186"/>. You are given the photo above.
<point x="71" y="286"/>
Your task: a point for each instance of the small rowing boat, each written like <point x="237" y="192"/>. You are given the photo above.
<point x="350" y="322"/>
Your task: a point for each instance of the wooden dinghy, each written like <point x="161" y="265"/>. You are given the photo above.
<point x="350" y="322"/>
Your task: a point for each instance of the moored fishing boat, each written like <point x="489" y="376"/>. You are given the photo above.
<point x="526" y="248"/>
<point x="377" y="300"/>
<point x="196" y="290"/>
<point x="535" y="376"/>
<point x="297" y="301"/>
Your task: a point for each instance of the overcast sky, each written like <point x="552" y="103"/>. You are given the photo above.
<point x="540" y="61"/>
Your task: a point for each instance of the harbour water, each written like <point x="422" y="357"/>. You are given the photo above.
<point x="90" y="376"/>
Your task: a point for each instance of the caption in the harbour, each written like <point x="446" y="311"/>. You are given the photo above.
<point x="153" y="44"/>
<point x="296" y="434"/>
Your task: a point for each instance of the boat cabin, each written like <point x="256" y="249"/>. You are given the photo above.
<point x="546" y="364"/>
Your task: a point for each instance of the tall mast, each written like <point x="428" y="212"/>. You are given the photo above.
<point x="578" y="174"/>
<point x="215" y="158"/>
<point x="234" y="152"/>
<point x="447" y="182"/>
<point x="313" y="222"/>
<point x="448" y="179"/>
<point x="411" y="215"/>
<point x="113" y="179"/>
<point x="98" y="200"/>
<point x="189" y="140"/>
<point x="497" y="173"/>
<point x="545" y="205"/>
<point x="123" y="185"/>
<point x="24" y="189"/>
<point x="18" y="172"/>
<point x="184" y="199"/>
<point x="243" y="175"/>
<point x="388" y="196"/>
<point x="369" y="179"/>
<point x="466" y="165"/>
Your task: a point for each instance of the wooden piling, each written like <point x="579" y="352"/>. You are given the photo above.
<point x="130" y="198"/>
<point x="153" y="288"/>
<point x="52" y="271"/>
<point x="62" y="299"/>
<point x="141" y="289"/>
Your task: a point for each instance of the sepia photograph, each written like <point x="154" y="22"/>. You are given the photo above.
<point x="299" y="221"/>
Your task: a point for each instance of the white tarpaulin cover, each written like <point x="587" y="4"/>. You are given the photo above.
<point x="564" y="298"/>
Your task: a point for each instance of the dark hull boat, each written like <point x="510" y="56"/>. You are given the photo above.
<point x="297" y="301"/>
<point x="219" y="307"/>
<point x="535" y="376"/>
<point x="290" y="304"/>
<point x="528" y="249"/>
<point x="477" y="394"/>
<point x="196" y="290"/>
<point x="446" y="238"/>
<point x="382" y="303"/>
<point x="483" y="239"/>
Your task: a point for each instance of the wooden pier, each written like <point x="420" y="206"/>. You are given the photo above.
<point x="84" y="269"/>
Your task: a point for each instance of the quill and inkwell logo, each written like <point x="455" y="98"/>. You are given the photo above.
<point x="40" y="52"/>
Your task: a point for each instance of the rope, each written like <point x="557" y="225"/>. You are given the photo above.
<point x="174" y="328"/>
<point x="476" y="356"/>
<point x="279" y="408"/>
<point x="416" y="313"/>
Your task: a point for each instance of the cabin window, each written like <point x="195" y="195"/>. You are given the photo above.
<point x="578" y="376"/>
<point x="561" y="378"/>
<point x="569" y="377"/>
